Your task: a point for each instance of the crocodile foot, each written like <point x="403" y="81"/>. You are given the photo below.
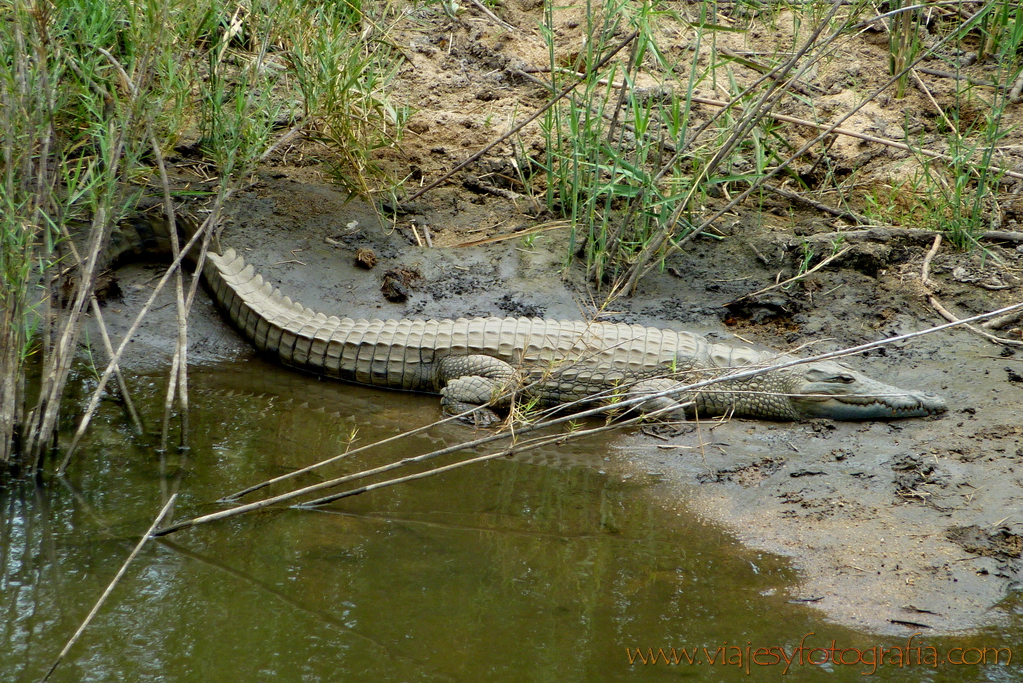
<point x="662" y="406"/>
<point x="481" y="416"/>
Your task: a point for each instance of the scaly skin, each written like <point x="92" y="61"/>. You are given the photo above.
<point x="469" y="362"/>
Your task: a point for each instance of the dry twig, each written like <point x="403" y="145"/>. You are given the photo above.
<point x="129" y="405"/>
<point x="801" y="199"/>
<point x="944" y="312"/>
<point x="179" y="364"/>
<point x="800" y="276"/>
<point x="925" y="269"/>
<point x="101" y="385"/>
<point x="110" y="588"/>
<point x="1002" y="320"/>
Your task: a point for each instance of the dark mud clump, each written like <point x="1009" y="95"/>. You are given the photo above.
<point x="397" y="283"/>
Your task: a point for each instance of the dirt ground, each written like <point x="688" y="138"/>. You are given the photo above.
<point x="898" y="526"/>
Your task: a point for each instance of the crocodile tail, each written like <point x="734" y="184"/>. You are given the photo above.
<point x="141" y="236"/>
<point x="296" y="335"/>
<point x="272" y="322"/>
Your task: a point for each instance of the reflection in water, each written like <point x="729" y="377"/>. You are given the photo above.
<point x="509" y="571"/>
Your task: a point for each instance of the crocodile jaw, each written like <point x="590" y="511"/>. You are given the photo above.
<point x="892" y="404"/>
<point x="834" y="391"/>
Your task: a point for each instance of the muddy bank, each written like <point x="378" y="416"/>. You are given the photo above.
<point x="894" y="526"/>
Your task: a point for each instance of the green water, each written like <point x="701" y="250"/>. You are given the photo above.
<point x="511" y="570"/>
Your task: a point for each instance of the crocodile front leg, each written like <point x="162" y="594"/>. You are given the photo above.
<point x="469" y="382"/>
<point x="666" y="407"/>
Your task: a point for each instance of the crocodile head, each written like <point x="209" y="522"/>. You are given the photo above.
<point x="835" y="391"/>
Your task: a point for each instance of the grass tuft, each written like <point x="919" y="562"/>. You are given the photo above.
<point x="88" y="88"/>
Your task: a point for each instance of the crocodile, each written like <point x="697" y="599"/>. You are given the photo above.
<point x="481" y="364"/>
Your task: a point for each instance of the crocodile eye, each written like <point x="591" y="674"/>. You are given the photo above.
<point x="841" y="379"/>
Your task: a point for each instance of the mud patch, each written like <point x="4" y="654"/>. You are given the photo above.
<point x="915" y="479"/>
<point x="459" y="283"/>
<point x="747" y="475"/>
<point x="1001" y="543"/>
<point x="513" y="306"/>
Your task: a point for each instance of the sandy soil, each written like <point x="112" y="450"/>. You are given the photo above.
<point x="895" y="526"/>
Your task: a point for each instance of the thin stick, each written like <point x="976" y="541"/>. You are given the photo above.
<point x="543" y="227"/>
<point x="129" y="405"/>
<point x="834" y="211"/>
<point x="1002" y="235"/>
<point x="947" y="315"/>
<point x="291" y="495"/>
<point x="284" y="497"/>
<point x="238" y="494"/>
<point x="922" y="87"/>
<point x="105" y="336"/>
<point x="295" y="130"/>
<point x="569" y="88"/>
<point x="168" y="400"/>
<point x="800" y="276"/>
<point x="925" y="269"/>
<point x="798" y="86"/>
<point x="1003" y="320"/>
<point x="1017" y="89"/>
<point x="486" y="10"/>
<point x="885" y="233"/>
<point x="94" y="401"/>
<point x="179" y="366"/>
<point x="960" y="77"/>
<point x="511" y="450"/>
<point x="630" y="65"/>
<point x="258" y="505"/>
<point x="110" y="587"/>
